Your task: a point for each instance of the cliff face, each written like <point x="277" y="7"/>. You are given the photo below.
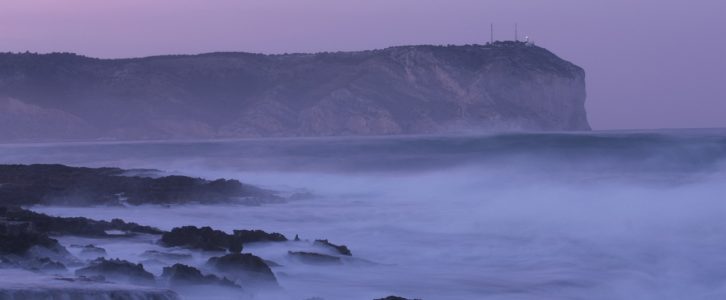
<point x="399" y="90"/>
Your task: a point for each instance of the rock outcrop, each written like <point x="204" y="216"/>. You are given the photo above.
<point x="15" y="219"/>
<point x="185" y="276"/>
<point x="76" y="186"/>
<point x="248" y="269"/>
<point x="206" y="238"/>
<point x="398" y="90"/>
<point x="118" y="270"/>
<point x="203" y="238"/>
<point x="340" y="249"/>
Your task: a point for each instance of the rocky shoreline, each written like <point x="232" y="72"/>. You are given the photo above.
<point x="61" y="185"/>
<point x="30" y="243"/>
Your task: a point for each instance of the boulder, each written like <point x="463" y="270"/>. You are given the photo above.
<point x="252" y="236"/>
<point x="244" y="268"/>
<point x="45" y="264"/>
<point x="183" y="275"/>
<point x="118" y="270"/>
<point x="204" y="238"/>
<point x="208" y="239"/>
<point x="92" y="251"/>
<point x="19" y="243"/>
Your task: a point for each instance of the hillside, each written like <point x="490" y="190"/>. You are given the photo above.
<point x="400" y="90"/>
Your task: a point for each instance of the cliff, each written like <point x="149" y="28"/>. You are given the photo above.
<point x="398" y="90"/>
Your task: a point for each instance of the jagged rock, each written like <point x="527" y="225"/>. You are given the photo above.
<point x="204" y="238"/>
<point x="117" y="270"/>
<point x="19" y="243"/>
<point x="251" y="236"/>
<point x="46" y="265"/>
<point x="64" y="185"/>
<point x="93" y="251"/>
<point x="183" y="275"/>
<point x="245" y="268"/>
<point x="314" y="258"/>
<point x="342" y="249"/>
<point x="18" y="219"/>
<point x="397" y="90"/>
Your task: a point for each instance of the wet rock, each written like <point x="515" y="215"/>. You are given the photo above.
<point x="208" y="239"/>
<point x="46" y="265"/>
<point x="19" y="243"/>
<point x="342" y="249"/>
<point x="314" y="258"/>
<point x="204" y="238"/>
<point x="117" y="270"/>
<point x="252" y="236"/>
<point x="245" y="268"/>
<point x="74" y="186"/>
<point x="14" y="219"/>
<point x="183" y="275"/>
<point x="93" y="251"/>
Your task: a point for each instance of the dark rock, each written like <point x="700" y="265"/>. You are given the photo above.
<point x="395" y="298"/>
<point x="21" y="247"/>
<point x="19" y="243"/>
<point x="64" y="185"/>
<point x="252" y="236"/>
<point x="204" y="238"/>
<point x="117" y="270"/>
<point x="45" y="264"/>
<point x="315" y="258"/>
<point x="297" y="238"/>
<point x="10" y="217"/>
<point x="245" y="268"/>
<point x="183" y="275"/>
<point x="342" y="249"/>
<point x="93" y="251"/>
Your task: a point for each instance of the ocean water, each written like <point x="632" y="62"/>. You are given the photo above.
<point x="603" y="215"/>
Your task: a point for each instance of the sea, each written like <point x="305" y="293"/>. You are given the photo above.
<point x="592" y="215"/>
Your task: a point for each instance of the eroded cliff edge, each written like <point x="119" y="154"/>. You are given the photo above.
<point x="400" y="90"/>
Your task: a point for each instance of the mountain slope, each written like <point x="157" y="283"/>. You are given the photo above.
<point x="399" y="90"/>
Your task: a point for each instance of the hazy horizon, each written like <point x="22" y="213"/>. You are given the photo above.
<point x="650" y="64"/>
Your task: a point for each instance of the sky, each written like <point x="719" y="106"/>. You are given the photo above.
<point x="649" y="63"/>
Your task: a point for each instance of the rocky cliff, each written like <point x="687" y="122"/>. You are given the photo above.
<point x="399" y="90"/>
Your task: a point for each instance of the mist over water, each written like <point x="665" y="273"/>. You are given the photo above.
<point x="615" y="215"/>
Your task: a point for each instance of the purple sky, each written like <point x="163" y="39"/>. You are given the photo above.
<point x="650" y="63"/>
